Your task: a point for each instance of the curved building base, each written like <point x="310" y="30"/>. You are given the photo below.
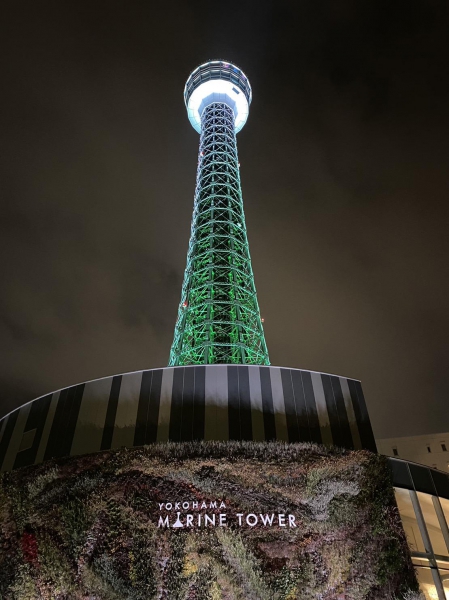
<point x="211" y="402"/>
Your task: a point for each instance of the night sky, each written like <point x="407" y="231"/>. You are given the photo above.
<point x="344" y="166"/>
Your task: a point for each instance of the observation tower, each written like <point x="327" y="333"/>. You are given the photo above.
<point x="219" y="384"/>
<point x="113" y="497"/>
<point x="218" y="318"/>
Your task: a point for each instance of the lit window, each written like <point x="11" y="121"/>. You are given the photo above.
<point x="443" y="447"/>
<point x="395" y="452"/>
<point x="422" y="524"/>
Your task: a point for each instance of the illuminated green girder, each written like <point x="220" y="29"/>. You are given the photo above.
<point x="218" y="317"/>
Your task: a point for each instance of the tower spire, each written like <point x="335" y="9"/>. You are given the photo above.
<point x="218" y="317"/>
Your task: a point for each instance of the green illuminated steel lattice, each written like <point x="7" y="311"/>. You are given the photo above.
<point x="218" y="318"/>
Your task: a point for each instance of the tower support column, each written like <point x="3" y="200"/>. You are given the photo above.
<point x="218" y="317"/>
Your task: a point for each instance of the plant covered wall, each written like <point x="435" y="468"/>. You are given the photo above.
<point x="204" y="521"/>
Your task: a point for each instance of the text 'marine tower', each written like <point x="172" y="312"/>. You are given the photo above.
<point x="218" y="318"/>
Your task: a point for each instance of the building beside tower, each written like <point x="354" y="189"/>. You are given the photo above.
<point x="219" y="476"/>
<point x="430" y="449"/>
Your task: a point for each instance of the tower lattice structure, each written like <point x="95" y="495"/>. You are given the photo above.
<point x="218" y="317"/>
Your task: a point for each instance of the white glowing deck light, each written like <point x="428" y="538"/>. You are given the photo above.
<point x="217" y="81"/>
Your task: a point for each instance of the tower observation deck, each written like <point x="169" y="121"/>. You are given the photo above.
<point x="218" y="317"/>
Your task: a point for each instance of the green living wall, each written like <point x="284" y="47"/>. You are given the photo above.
<point x="204" y="521"/>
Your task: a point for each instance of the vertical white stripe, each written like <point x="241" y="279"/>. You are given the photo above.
<point x="280" y="418"/>
<point x="92" y="416"/>
<point x="351" y="414"/>
<point x="27" y="440"/>
<point x="216" y="426"/>
<point x="222" y="402"/>
<point x="256" y="404"/>
<point x="16" y="438"/>
<point x="128" y="403"/>
<point x="47" y="427"/>
<point x="321" y="407"/>
<point x="163" y="428"/>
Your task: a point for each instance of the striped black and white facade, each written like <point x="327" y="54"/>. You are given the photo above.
<point x="211" y="402"/>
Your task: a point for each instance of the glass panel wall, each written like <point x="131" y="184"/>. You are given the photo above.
<point x="424" y="518"/>
<point x="409" y="521"/>
<point x="426" y="502"/>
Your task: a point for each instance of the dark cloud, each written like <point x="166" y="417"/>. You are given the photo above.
<point x="345" y="176"/>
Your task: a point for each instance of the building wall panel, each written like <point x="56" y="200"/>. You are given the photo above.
<point x="213" y="402"/>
